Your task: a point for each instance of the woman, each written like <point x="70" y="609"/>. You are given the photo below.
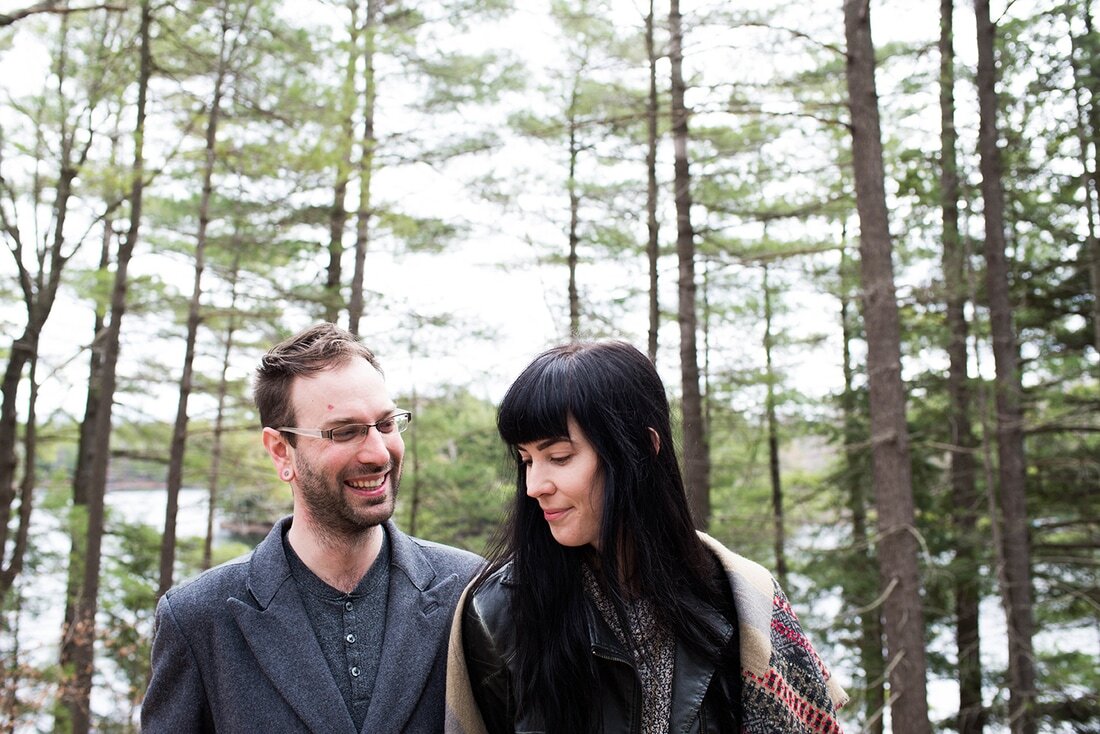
<point x="601" y="608"/>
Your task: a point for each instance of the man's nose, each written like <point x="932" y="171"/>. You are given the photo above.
<point x="373" y="448"/>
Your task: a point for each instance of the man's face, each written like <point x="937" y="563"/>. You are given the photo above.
<point x="344" y="489"/>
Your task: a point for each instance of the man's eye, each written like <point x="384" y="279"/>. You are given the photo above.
<point x="386" y="426"/>
<point x="346" y="433"/>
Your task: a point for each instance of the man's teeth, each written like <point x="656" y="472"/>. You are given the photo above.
<point x="371" y="484"/>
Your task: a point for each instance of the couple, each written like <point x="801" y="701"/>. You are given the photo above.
<point x="600" y="608"/>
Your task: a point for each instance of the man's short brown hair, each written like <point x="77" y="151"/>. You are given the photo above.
<point x="308" y="352"/>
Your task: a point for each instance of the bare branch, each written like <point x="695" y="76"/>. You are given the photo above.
<point x="51" y="6"/>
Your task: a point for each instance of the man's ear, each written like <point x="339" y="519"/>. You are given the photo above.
<point x="655" y="439"/>
<point x="279" y="451"/>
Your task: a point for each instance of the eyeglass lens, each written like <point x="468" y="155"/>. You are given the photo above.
<point x="353" y="431"/>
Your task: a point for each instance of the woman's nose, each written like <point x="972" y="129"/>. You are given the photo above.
<point x="538" y="483"/>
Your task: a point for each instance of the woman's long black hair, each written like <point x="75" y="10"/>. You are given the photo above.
<point x="647" y="537"/>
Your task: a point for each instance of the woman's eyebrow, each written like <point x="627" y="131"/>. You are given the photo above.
<point x="548" y="442"/>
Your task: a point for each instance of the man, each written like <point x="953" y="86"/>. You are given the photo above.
<point x="337" y="621"/>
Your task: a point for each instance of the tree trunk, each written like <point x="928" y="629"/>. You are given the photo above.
<point x="366" y="168"/>
<point x="338" y="217"/>
<point x="964" y="495"/>
<point x="897" y="547"/>
<point x="414" y="453"/>
<point x="773" y="442"/>
<point x="9" y="573"/>
<point x="214" y="479"/>
<point x="1088" y="130"/>
<point x="78" y="639"/>
<point x="574" y="219"/>
<point x="696" y="451"/>
<point x="194" y="314"/>
<point x="652" y="249"/>
<point x="39" y="292"/>
<point x="1008" y="395"/>
<point x="11" y="668"/>
<point x="870" y="614"/>
<point x="82" y="474"/>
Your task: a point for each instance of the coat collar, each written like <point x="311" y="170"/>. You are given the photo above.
<point x="692" y="671"/>
<point x="276" y="628"/>
<point x="273" y="623"/>
<point x="418" y="613"/>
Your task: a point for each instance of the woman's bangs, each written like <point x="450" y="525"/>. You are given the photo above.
<point x="536" y="406"/>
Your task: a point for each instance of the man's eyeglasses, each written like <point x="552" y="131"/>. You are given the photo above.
<point x="396" y="423"/>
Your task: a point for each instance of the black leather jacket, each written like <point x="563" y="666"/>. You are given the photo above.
<point x="488" y="636"/>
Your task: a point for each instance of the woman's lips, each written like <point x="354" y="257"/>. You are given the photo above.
<point x="552" y="515"/>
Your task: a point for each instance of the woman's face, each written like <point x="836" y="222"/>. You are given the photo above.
<point x="563" y="476"/>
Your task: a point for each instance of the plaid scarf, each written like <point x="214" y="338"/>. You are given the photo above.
<point x="786" y="687"/>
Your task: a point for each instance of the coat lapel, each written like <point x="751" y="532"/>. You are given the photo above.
<point x="692" y="672"/>
<point x="278" y="632"/>
<point x="417" y="617"/>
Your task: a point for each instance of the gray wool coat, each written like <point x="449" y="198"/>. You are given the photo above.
<point x="234" y="652"/>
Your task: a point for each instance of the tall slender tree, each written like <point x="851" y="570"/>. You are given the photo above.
<point x="863" y="599"/>
<point x="780" y="536"/>
<point x="344" y="146"/>
<point x="696" y="451"/>
<point x="897" y="544"/>
<point x="39" y="265"/>
<point x="965" y="497"/>
<point x="233" y="30"/>
<point x="1008" y="393"/>
<point x="369" y="142"/>
<point x="1086" y="76"/>
<point x="653" y="245"/>
<point x="215" y="477"/>
<point x="78" y="638"/>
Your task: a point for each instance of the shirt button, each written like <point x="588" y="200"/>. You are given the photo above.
<point x="355" y="671"/>
<point x="348" y="605"/>
<point x="350" y="638"/>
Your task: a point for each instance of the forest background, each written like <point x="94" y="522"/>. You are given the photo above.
<point x="867" y="270"/>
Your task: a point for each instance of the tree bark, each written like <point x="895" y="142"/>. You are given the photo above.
<point x="214" y="478"/>
<point x="14" y="567"/>
<point x="897" y="546"/>
<point x="1012" y="465"/>
<point x="82" y="474"/>
<point x="338" y="216"/>
<point x="696" y="450"/>
<point x="414" y="454"/>
<point x="652" y="249"/>
<point x="194" y="308"/>
<point x="39" y="292"/>
<point x="870" y="614"/>
<point x="366" y="168"/>
<point x="1088" y="127"/>
<point x="780" y="540"/>
<point x="78" y="638"/>
<point x="574" y="217"/>
<point x="965" y="498"/>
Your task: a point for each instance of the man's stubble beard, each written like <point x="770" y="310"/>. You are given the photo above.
<point x="333" y="516"/>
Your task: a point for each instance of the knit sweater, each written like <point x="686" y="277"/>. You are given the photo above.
<point x="786" y="688"/>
